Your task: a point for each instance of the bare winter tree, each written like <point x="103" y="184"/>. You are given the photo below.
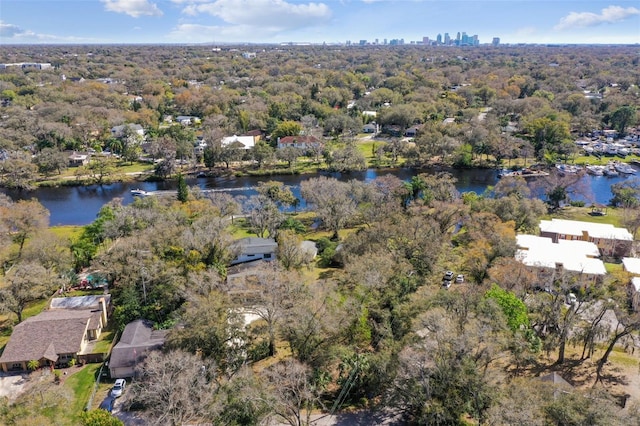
<point x="331" y="200"/>
<point x="294" y="394"/>
<point x="175" y="388"/>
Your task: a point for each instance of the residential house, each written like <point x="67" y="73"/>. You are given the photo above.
<point x="302" y="142"/>
<point x="57" y="335"/>
<point x="119" y="131"/>
<point x="187" y="120"/>
<point x="610" y="240"/>
<point x="253" y="248"/>
<point x="576" y="257"/>
<point x="412" y="131"/>
<point x="256" y="134"/>
<point x="370" y="128"/>
<point x="242" y="142"/>
<point x="138" y="338"/>
<point x="77" y="159"/>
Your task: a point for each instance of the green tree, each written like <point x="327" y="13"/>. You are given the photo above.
<point x="183" y="189"/>
<point x="513" y="308"/>
<point x="27" y="283"/>
<point x="99" y="418"/>
<point x="262" y="153"/>
<point x="277" y="192"/>
<point x="624" y="117"/>
<point x="286" y="128"/>
<point x="547" y="133"/>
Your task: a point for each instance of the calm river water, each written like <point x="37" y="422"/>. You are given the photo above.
<point x="79" y="205"/>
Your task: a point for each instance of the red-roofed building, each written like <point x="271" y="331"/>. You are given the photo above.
<point x="302" y="142"/>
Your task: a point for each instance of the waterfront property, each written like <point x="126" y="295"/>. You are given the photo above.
<point x="611" y="241"/>
<point x="58" y="335"/>
<point x="572" y="256"/>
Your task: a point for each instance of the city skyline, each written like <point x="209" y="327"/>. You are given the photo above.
<point x="281" y="21"/>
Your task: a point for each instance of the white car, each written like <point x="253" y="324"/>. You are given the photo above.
<point x="459" y="279"/>
<point x="118" y="388"/>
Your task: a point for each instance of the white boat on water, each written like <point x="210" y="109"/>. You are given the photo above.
<point x="567" y="168"/>
<point x="624" y="168"/>
<point x="610" y="171"/>
<point x="595" y="170"/>
<point x="140" y="193"/>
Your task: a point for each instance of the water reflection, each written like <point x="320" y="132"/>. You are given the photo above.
<point x="79" y="205"/>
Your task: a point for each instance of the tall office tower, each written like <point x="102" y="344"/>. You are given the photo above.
<point x="439" y="39"/>
<point x="385" y="41"/>
<point x="447" y="39"/>
<point x="376" y="41"/>
<point x="425" y="41"/>
<point x="458" y="37"/>
<point x="495" y="41"/>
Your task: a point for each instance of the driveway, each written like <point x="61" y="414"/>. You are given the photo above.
<point x="11" y="385"/>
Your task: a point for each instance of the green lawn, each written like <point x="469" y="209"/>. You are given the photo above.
<point x="104" y="344"/>
<point x="69" y="233"/>
<point x="81" y="384"/>
<point x="612" y="216"/>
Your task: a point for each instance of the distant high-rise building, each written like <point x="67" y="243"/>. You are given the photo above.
<point x="447" y="39"/>
<point x="385" y="41"/>
<point x="439" y="39"/>
<point x="495" y="41"/>
<point x="376" y="41"/>
<point x="426" y="41"/>
<point x="363" y="42"/>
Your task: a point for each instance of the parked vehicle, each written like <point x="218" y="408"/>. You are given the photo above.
<point x="459" y="279"/>
<point x="108" y="404"/>
<point x="448" y="276"/>
<point x="118" y="388"/>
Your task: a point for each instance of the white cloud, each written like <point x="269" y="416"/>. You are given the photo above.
<point x="608" y="15"/>
<point x="9" y="30"/>
<point x="278" y="15"/>
<point x="134" y="8"/>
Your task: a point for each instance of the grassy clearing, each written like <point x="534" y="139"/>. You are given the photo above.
<point x="613" y="267"/>
<point x="69" y="233"/>
<point x="613" y="216"/>
<point x="81" y="384"/>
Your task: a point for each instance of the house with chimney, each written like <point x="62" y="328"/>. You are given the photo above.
<point x="63" y="332"/>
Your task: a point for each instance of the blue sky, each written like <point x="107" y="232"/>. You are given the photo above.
<point x="267" y="21"/>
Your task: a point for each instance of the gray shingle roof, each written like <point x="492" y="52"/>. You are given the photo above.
<point x="138" y="337"/>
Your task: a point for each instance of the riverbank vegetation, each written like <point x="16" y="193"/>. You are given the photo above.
<point x="121" y="111"/>
<point x="367" y="324"/>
